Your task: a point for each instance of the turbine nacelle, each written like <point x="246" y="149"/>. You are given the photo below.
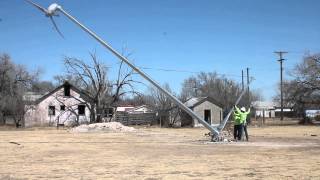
<point x="52" y="10"/>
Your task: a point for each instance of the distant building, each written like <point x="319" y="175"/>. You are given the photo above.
<point x="312" y="113"/>
<point x="64" y="105"/>
<point x="270" y="109"/>
<point x="287" y="112"/>
<point x="264" y="109"/>
<point x="206" y="108"/>
<point x="140" y="109"/>
<point x="124" y="108"/>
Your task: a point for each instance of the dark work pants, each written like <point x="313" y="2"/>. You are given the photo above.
<point x="237" y="132"/>
<point x="246" y="131"/>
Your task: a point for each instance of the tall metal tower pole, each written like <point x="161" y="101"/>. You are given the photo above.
<point x="248" y="95"/>
<point x="248" y="88"/>
<point x="280" y="53"/>
<point x="242" y="80"/>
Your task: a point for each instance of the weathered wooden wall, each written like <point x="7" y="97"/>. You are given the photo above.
<point x="134" y="119"/>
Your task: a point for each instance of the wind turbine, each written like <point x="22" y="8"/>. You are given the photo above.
<point x="52" y="11"/>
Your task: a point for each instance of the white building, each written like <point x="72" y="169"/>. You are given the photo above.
<point x="264" y="109"/>
<point x="206" y="108"/>
<point x="312" y="113"/>
<point x="64" y="105"/>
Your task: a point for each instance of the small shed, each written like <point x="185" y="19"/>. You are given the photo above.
<point x="206" y="108"/>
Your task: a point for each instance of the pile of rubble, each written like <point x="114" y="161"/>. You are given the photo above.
<point x="224" y="136"/>
<point x="103" y="127"/>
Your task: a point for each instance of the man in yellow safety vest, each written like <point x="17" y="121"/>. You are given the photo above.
<point x="241" y="122"/>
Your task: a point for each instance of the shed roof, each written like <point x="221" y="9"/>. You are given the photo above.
<point x="195" y="101"/>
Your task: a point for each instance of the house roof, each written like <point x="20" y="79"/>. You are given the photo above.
<point x="66" y="83"/>
<point x="195" y="101"/>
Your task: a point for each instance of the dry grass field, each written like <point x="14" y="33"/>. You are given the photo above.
<point x="274" y="152"/>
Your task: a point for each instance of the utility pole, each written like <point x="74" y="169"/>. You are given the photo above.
<point x="248" y="91"/>
<point x="242" y="80"/>
<point x="280" y="53"/>
<point x="195" y="87"/>
<point x="225" y="89"/>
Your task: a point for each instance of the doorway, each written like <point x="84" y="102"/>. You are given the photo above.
<point x="207" y="115"/>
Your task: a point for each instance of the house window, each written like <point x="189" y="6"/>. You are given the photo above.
<point x="52" y="111"/>
<point x="81" y="109"/>
<point x="67" y="90"/>
<point x="62" y="107"/>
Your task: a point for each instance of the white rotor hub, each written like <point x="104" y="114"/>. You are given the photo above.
<point x="53" y="8"/>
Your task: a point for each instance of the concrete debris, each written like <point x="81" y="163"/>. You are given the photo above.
<point x="224" y="136"/>
<point x="103" y="127"/>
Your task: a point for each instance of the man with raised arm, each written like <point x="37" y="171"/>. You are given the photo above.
<point x="242" y="121"/>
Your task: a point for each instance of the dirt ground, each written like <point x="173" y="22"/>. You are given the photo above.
<point x="274" y="152"/>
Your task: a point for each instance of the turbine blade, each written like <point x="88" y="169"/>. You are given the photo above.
<point x="38" y="6"/>
<point x="56" y="27"/>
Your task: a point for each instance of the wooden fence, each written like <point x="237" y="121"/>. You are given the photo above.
<point x="135" y="119"/>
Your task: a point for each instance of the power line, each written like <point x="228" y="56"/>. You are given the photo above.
<point x="185" y="71"/>
<point x="180" y="71"/>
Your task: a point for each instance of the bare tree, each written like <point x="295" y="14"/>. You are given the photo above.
<point x="70" y="108"/>
<point x="41" y="87"/>
<point x="307" y="72"/>
<point x="304" y="90"/>
<point x="224" y="90"/>
<point x="71" y="78"/>
<point x="124" y="84"/>
<point x="167" y="111"/>
<point x="14" y="81"/>
<point x="92" y="79"/>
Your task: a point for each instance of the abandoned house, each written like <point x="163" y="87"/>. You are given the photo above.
<point x="206" y="108"/>
<point x="65" y="105"/>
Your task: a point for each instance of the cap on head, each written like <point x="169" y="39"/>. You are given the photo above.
<point x="243" y="109"/>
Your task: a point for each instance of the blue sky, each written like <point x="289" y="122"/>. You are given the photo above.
<point x="206" y="35"/>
